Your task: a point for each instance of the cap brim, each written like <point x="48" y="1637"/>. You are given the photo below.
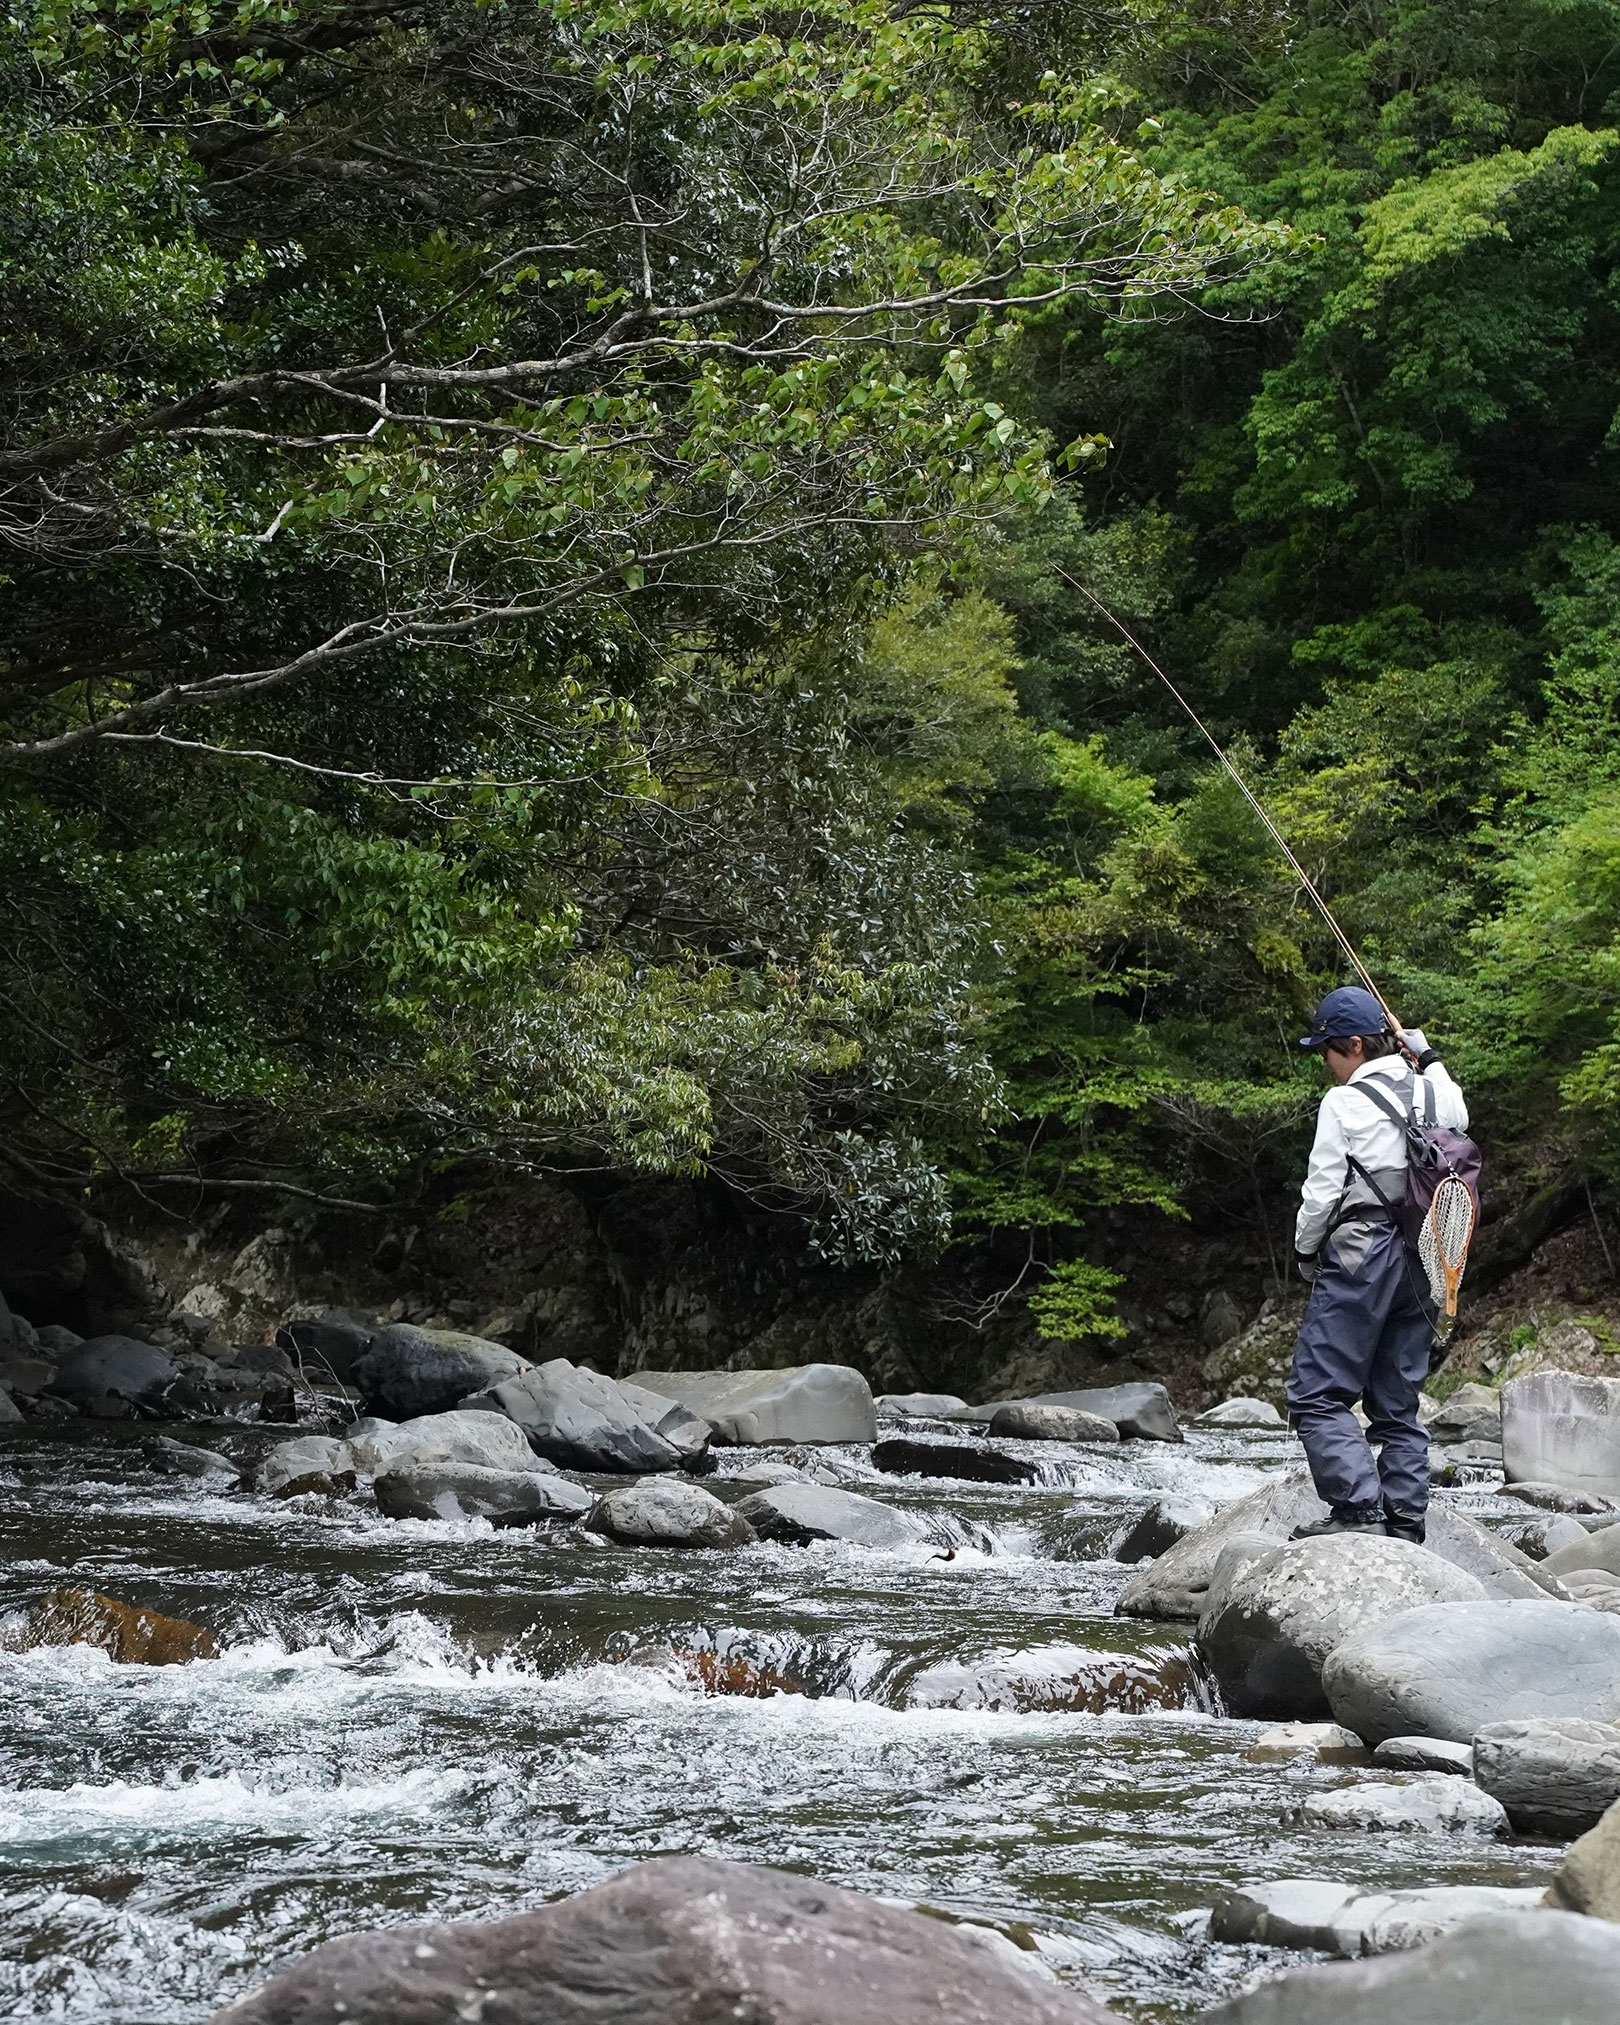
<point x="1316" y="1041"/>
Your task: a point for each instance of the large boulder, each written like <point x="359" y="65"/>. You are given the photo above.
<point x="1588" y="1879"/>
<point x="1052" y="1679"/>
<point x="900" y="1457"/>
<point x="686" y="1432"/>
<point x="1558" y="1428"/>
<point x="1432" y="1804"/>
<point x="668" y="1512"/>
<point x="1265" y="1632"/>
<point x="1141" y="1412"/>
<point x="802" y="1513"/>
<point x="1023" y="1420"/>
<point x="1449" y="1669"/>
<point x="1176" y="1585"/>
<point x="108" y="1377"/>
<point x="405" y="1371"/>
<point x="455" y="1490"/>
<point x="579" y="1420"/>
<point x="1507" y="1969"/>
<point x="328" y="1344"/>
<point x="685" y="1940"/>
<point x="484" y="1440"/>
<point x="806" y="1403"/>
<point x="1345" y="1919"/>
<point x="1555" y="1775"/>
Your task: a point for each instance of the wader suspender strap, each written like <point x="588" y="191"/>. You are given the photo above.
<point x="1397" y="1114"/>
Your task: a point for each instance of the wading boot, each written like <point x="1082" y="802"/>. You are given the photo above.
<point x="1343" y="1519"/>
<point x="1405" y="1526"/>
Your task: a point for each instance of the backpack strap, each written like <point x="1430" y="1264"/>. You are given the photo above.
<point x="1398" y="1114"/>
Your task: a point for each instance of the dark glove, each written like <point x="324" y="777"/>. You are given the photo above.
<point x="1309" y="1264"/>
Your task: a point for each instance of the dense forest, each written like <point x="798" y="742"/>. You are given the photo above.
<point x="548" y="597"/>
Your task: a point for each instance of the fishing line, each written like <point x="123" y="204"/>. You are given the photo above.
<point x="1275" y="834"/>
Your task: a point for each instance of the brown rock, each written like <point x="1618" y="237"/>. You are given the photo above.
<point x="1589" y="1879"/>
<point x="133" y="1637"/>
<point x="680" y="1941"/>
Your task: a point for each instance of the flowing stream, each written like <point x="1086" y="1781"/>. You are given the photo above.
<point x="424" y="1720"/>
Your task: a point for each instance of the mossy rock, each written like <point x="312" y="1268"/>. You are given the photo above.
<point x="1255" y="1365"/>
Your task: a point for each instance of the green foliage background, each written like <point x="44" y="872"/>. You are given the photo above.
<point x="538" y="620"/>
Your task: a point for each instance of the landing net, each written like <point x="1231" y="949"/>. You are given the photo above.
<point x="1443" y="1245"/>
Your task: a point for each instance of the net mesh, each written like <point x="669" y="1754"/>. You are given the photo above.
<point x="1443" y="1246"/>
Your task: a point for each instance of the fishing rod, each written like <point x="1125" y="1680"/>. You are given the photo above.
<point x="1248" y="795"/>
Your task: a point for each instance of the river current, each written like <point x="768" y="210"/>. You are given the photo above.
<point x="425" y="1720"/>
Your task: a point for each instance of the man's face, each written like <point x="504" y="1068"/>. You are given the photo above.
<point x="1343" y="1065"/>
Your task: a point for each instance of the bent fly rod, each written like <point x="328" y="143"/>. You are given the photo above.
<point x="1253" y="801"/>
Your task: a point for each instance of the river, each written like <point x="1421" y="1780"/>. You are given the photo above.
<point x="411" y="1720"/>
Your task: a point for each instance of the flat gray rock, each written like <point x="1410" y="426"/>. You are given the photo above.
<point x="801" y="1513"/>
<point x="668" y="1512"/>
<point x="1449" y="1669"/>
<point x="1343" y="1919"/>
<point x="1158" y="1529"/>
<point x="683" y="1940"/>
<point x="1555" y="1497"/>
<point x="465" y="1491"/>
<point x="807" y="1403"/>
<point x="1560" y="1428"/>
<point x="1434" y="1805"/>
<point x="579" y="1420"/>
<point x="405" y="1372"/>
<point x="919" y="1405"/>
<point x="1141" y="1412"/>
<point x="1555" y="1776"/>
<point x="1022" y="1420"/>
<point x="1241" y="1413"/>
<point x="1176" y="1585"/>
<point x="106" y="1376"/>
<point x="310" y="1462"/>
<point x="1523" y="1968"/>
<point x="1270" y="1622"/>
<point x="1425" y="1754"/>
<point x="1588" y="1552"/>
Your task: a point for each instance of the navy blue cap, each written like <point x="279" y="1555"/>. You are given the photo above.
<point x="1349" y="1010"/>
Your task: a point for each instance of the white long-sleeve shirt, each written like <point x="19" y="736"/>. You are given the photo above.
<point x="1347" y="1124"/>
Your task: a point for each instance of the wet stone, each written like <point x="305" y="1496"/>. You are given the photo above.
<point x="451" y="1490"/>
<point x="1328" y="1743"/>
<point x="971" y="1463"/>
<point x="1159" y="1528"/>
<point x="130" y="1636"/>
<point x="1059" y="1679"/>
<point x="1555" y="1777"/>
<point x="802" y="1513"/>
<point x="1425" y="1754"/>
<point x="179" y="1459"/>
<point x="668" y="1512"/>
<point x="1241" y="1413"/>
<point x="1342" y="1919"/>
<point x="1588" y="1880"/>
<point x="1438" y="1805"/>
<point x="1024" y="1421"/>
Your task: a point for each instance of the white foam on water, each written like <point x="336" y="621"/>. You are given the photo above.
<point x="43" y="1814"/>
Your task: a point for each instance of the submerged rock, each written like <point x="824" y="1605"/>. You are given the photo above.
<point x="1506" y="1969"/>
<point x="801" y="1513"/>
<point x="1555" y="1775"/>
<point x="1160" y="1527"/>
<point x="976" y="1464"/>
<point x="108" y="1377"/>
<point x="1588" y="1879"/>
<point x="1558" y="1428"/>
<point x="1267" y="1628"/>
<point x="405" y="1372"/>
<point x="132" y="1637"/>
<point x="579" y="1420"/>
<point x="1059" y="1679"/>
<point x="668" y="1512"/>
<point x="1346" y="1919"/>
<point x="179" y="1459"/>
<point x="1241" y="1413"/>
<point x="1439" y="1804"/>
<point x="683" y="1940"/>
<point x="807" y="1403"/>
<point x="1448" y="1670"/>
<point x="456" y="1490"/>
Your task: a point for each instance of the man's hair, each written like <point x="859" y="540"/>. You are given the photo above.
<point x="1373" y="1046"/>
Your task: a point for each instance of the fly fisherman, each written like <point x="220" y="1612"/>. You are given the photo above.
<point x="1369" y="1326"/>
